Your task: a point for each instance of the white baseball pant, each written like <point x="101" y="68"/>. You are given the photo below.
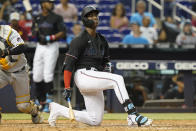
<point x="44" y="62"/>
<point x="91" y="84"/>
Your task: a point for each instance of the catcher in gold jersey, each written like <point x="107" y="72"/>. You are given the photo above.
<point x="14" y="71"/>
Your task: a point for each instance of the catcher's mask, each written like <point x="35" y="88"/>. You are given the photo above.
<point x="88" y="9"/>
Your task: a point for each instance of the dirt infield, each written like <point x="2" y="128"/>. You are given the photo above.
<point x="107" y="125"/>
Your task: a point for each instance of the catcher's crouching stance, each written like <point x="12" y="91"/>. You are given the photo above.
<point x="14" y="71"/>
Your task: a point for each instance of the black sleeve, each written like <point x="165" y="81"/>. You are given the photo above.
<point x="77" y="46"/>
<point x="106" y="58"/>
<point x="106" y="55"/>
<point x="17" y="50"/>
<point x="35" y="28"/>
<point x="60" y="24"/>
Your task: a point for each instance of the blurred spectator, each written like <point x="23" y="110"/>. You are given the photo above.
<point x="14" y="23"/>
<point x="194" y="21"/>
<point x="187" y="36"/>
<point x="169" y="30"/>
<point x="6" y="9"/>
<point x="173" y="88"/>
<point x="135" y="37"/>
<point x="137" y="17"/>
<point x="26" y="23"/>
<point x="149" y="33"/>
<point x="67" y="10"/>
<point x="76" y="29"/>
<point x="118" y="19"/>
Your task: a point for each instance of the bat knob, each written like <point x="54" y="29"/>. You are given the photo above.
<point x="68" y="99"/>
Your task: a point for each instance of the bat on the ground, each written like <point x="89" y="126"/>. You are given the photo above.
<point x="71" y="113"/>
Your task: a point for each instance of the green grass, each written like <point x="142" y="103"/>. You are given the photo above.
<point x="112" y="116"/>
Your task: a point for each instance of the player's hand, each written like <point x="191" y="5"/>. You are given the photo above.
<point x="67" y="94"/>
<point x="42" y="40"/>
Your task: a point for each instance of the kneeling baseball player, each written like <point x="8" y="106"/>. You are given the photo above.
<point x="88" y="59"/>
<point x="14" y="71"/>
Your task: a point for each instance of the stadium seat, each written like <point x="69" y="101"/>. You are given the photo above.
<point x="84" y="2"/>
<point x="108" y="2"/>
<point x="126" y="32"/>
<point x="104" y="31"/>
<point x="114" y="39"/>
<point x="69" y="24"/>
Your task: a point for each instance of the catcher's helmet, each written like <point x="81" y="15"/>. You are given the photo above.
<point x="88" y="9"/>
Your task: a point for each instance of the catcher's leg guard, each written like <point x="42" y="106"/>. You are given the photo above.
<point x="33" y="109"/>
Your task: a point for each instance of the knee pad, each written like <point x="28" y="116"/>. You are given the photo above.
<point x="95" y="120"/>
<point x="29" y="108"/>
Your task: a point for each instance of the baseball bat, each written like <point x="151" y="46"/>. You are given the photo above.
<point x="71" y="113"/>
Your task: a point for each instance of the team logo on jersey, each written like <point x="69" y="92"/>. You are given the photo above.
<point x="45" y="25"/>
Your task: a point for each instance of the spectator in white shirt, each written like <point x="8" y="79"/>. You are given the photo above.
<point x="148" y="32"/>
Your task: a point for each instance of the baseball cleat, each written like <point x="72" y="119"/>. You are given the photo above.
<point x="138" y="120"/>
<point x="54" y="113"/>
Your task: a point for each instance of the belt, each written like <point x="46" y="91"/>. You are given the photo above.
<point x="23" y="68"/>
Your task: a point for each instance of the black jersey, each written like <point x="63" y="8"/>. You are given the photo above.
<point x="86" y="51"/>
<point x="48" y="25"/>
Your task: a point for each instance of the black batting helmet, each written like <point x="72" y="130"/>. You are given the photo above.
<point x="88" y="9"/>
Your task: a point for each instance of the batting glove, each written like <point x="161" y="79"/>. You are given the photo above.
<point x="67" y="94"/>
<point x="42" y="40"/>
